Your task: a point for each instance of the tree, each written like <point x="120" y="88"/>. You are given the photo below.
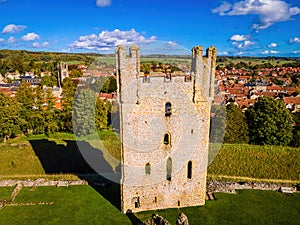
<point x="112" y="85"/>
<point x="25" y="97"/>
<point x="270" y="123"/>
<point x="76" y="73"/>
<point x="68" y="94"/>
<point x="10" y="122"/>
<point x="49" y="81"/>
<point x="102" y="111"/>
<point x="236" y="130"/>
<point x="51" y="123"/>
<point x="217" y="124"/>
<point x="84" y="112"/>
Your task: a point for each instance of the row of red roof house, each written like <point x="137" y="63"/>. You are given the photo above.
<point x="244" y="93"/>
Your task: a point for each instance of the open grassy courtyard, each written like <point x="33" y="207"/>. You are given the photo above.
<point x="58" y="157"/>
<point x="84" y="205"/>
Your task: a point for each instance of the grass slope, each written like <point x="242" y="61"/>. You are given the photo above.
<point x="39" y="156"/>
<point x="272" y="162"/>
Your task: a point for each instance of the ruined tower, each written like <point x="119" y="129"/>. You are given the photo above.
<point x="164" y="130"/>
<point x="62" y="72"/>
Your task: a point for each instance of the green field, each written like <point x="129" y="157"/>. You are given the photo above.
<point x="85" y="205"/>
<point x="269" y="162"/>
<point x="58" y="156"/>
<point x="254" y="61"/>
<point x="70" y="205"/>
<point x="247" y="207"/>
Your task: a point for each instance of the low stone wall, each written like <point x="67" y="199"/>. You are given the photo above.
<point x="230" y="187"/>
<point x="40" y="182"/>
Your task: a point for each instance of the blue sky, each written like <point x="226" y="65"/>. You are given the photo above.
<point x="234" y="27"/>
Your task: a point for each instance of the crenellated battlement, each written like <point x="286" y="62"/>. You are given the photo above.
<point x="200" y="78"/>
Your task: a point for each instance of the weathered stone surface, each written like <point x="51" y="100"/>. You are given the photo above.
<point x="230" y="187"/>
<point x="156" y="220"/>
<point x="40" y="182"/>
<point x="144" y="125"/>
<point x="182" y="219"/>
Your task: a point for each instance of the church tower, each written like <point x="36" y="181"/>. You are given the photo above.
<point x="164" y="131"/>
<point x="62" y="72"/>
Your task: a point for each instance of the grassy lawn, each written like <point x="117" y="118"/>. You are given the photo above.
<point x="58" y="156"/>
<point x="17" y="160"/>
<point x="71" y="205"/>
<point x="6" y="192"/>
<point x="246" y="207"/>
<point x="271" y="162"/>
<point x="55" y="157"/>
<point x="84" y="205"/>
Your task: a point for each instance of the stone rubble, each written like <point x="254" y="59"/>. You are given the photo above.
<point x="230" y="187"/>
<point x="182" y="219"/>
<point x="156" y="220"/>
<point x="40" y="182"/>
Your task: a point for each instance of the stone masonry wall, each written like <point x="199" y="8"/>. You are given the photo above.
<point x="143" y="129"/>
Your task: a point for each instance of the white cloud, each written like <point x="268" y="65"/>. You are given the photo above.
<point x="40" y="45"/>
<point x="296" y="52"/>
<point x="172" y="44"/>
<point x="295" y="40"/>
<point x="266" y="52"/>
<point x="272" y="45"/>
<point x="11" y="39"/>
<point x="241" y="41"/>
<point x="1" y="39"/>
<point x="30" y="37"/>
<point x="223" y="53"/>
<point x="103" y="3"/>
<point x="222" y="9"/>
<point x="238" y="37"/>
<point x="108" y="40"/>
<point x="269" y="11"/>
<point x="243" y="45"/>
<point x="12" y="28"/>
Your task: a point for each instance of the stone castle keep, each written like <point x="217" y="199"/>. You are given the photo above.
<point x="164" y="130"/>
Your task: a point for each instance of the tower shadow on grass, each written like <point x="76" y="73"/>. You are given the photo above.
<point x="134" y="220"/>
<point x="67" y="159"/>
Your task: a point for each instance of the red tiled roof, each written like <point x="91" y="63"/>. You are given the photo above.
<point x="292" y="100"/>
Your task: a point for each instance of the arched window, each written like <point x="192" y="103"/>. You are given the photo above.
<point x="148" y="168"/>
<point x="189" y="170"/>
<point x="169" y="169"/>
<point x="168" y="109"/>
<point x="167" y="139"/>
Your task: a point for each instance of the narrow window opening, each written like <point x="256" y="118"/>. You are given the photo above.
<point x="146" y="78"/>
<point x="137" y="202"/>
<point x="168" y="77"/>
<point x="155" y="199"/>
<point x="168" y="109"/>
<point x="169" y="169"/>
<point x="167" y="139"/>
<point x="188" y="77"/>
<point x="192" y="131"/>
<point x="148" y="168"/>
<point x="189" y="172"/>
<point x="178" y="203"/>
